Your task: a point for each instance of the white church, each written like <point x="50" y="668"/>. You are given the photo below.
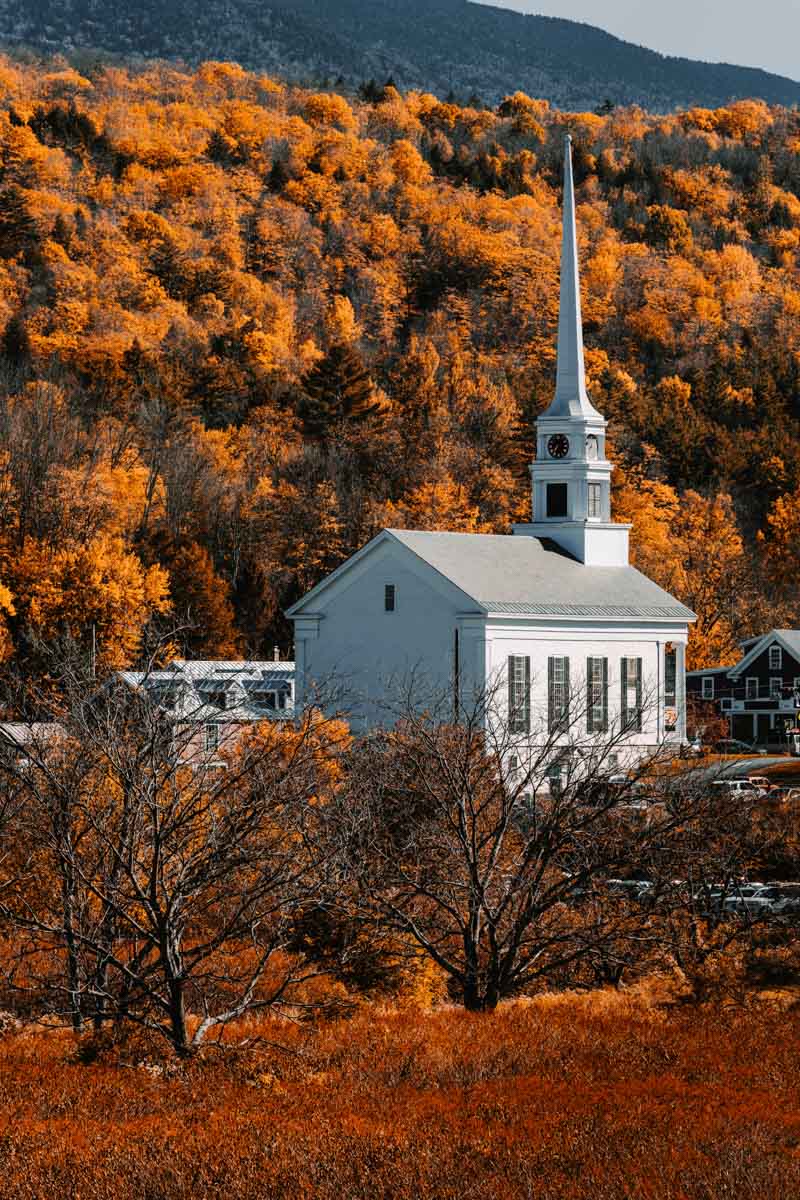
<point x="550" y="611"/>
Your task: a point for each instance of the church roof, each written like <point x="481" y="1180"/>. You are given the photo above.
<point x="532" y="576"/>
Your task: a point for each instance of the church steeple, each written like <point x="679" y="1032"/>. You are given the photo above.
<point x="571" y="398"/>
<point x="571" y="477"/>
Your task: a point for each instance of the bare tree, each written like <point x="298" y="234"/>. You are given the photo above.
<point x="147" y="879"/>
<point x="495" y="855"/>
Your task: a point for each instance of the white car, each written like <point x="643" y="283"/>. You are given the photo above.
<point x="736" y="787"/>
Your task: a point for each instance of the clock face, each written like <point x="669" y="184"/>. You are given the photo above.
<point x="591" y="446"/>
<point x="558" y="446"/>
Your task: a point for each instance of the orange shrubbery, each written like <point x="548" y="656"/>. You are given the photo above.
<point x="564" y="1099"/>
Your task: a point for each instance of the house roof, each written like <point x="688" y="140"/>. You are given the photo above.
<point x="533" y="576"/>
<point x="788" y="638"/>
<point x="194" y="688"/>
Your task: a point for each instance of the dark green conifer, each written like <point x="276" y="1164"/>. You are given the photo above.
<point x="18" y="229"/>
<point x="338" y="389"/>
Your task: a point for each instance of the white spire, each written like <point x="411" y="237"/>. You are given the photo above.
<point x="571" y="398"/>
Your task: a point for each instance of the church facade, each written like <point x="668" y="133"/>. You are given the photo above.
<point x="551" y="620"/>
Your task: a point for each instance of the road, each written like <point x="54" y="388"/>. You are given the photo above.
<point x="743" y="767"/>
<point x="738" y="768"/>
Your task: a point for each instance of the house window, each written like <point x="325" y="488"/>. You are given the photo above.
<point x="557" y="693"/>
<point x="389" y="597"/>
<point x="556" y="499"/>
<point x="212" y="738"/>
<point x="631" y="680"/>
<point x="726" y="704"/>
<point x="775" y="687"/>
<point x="594" y="500"/>
<point x="797" y="683"/>
<point x="519" y="694"/>
<point x="596" y="695"/>
<point x="751" y="687"/>
<point x="775" y="658"/>
<point x="513" y="766"/>
<point x="708" y="687"/>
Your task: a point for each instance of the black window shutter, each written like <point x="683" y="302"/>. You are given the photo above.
<point x="527" y="695"/>
<point x="623" y="675"/>
<point x="590" y="695"/>
<point x="567" y="697"/>
<point x="604" y="728"/>
<point x="638" y="695"/>
<point x="551" y="708"/>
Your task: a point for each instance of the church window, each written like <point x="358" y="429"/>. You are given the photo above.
<point x="554" y="780"/>
<point x="519" y="694"/>
<point x="708" y="687"/>
<point x="631" y="678"/>
<point x="670" y="675"/>
<point x="596" y="695"/>
<point x="775" y="658"/>
<point x="556" y="499"/>
<point x="389" y="597"/>
<point x="670" y="688"/>
<point x="557" y="693"/>
<point x="594" y="500"/>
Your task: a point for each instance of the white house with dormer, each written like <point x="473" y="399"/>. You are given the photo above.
<point x="551" y="610"/>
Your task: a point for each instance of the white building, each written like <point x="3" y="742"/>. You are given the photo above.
<point x="213" y="700"/>
<point x="553" y="608"/>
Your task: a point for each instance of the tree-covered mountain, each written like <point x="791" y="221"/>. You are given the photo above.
<point x="432" y="45"/>
<point x="244" y="325"/>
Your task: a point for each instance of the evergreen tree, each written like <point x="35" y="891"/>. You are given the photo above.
<point x="338" y="389"/>
<point x="170" y="267"/>
<point x="278" y="176"/>
<point x="61" y="232"/>
<point x="15" y="346"/>
<point x="18" y="229"/>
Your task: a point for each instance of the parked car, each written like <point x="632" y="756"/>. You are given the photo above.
<point x="754" y="905"/>
<point x="734" y="746"/>
<point x="637" y="890"/>
<point x="736" y="787"/>
<point x="761" y="783"/>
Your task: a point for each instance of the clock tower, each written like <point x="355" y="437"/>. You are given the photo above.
<point x="571" y="477"/>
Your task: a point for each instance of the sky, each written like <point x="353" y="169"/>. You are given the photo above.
<point x="750" y="33"/>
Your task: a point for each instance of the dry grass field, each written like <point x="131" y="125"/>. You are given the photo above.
<point x="603" y="1096"/>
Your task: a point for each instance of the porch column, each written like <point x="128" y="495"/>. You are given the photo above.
<point x="680" y="689"/>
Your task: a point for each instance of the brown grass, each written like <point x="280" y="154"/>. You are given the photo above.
<point x="602" y="1097"/>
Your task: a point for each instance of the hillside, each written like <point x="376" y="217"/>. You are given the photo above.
<point x="432" y="45"/>
<point x="246" y="325"/>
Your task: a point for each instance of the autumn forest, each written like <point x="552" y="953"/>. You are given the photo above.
<point x="245" y="325"/>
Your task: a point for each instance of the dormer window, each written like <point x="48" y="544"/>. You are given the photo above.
<point x="389" y="597"/>
<point x="556" y="499"/>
